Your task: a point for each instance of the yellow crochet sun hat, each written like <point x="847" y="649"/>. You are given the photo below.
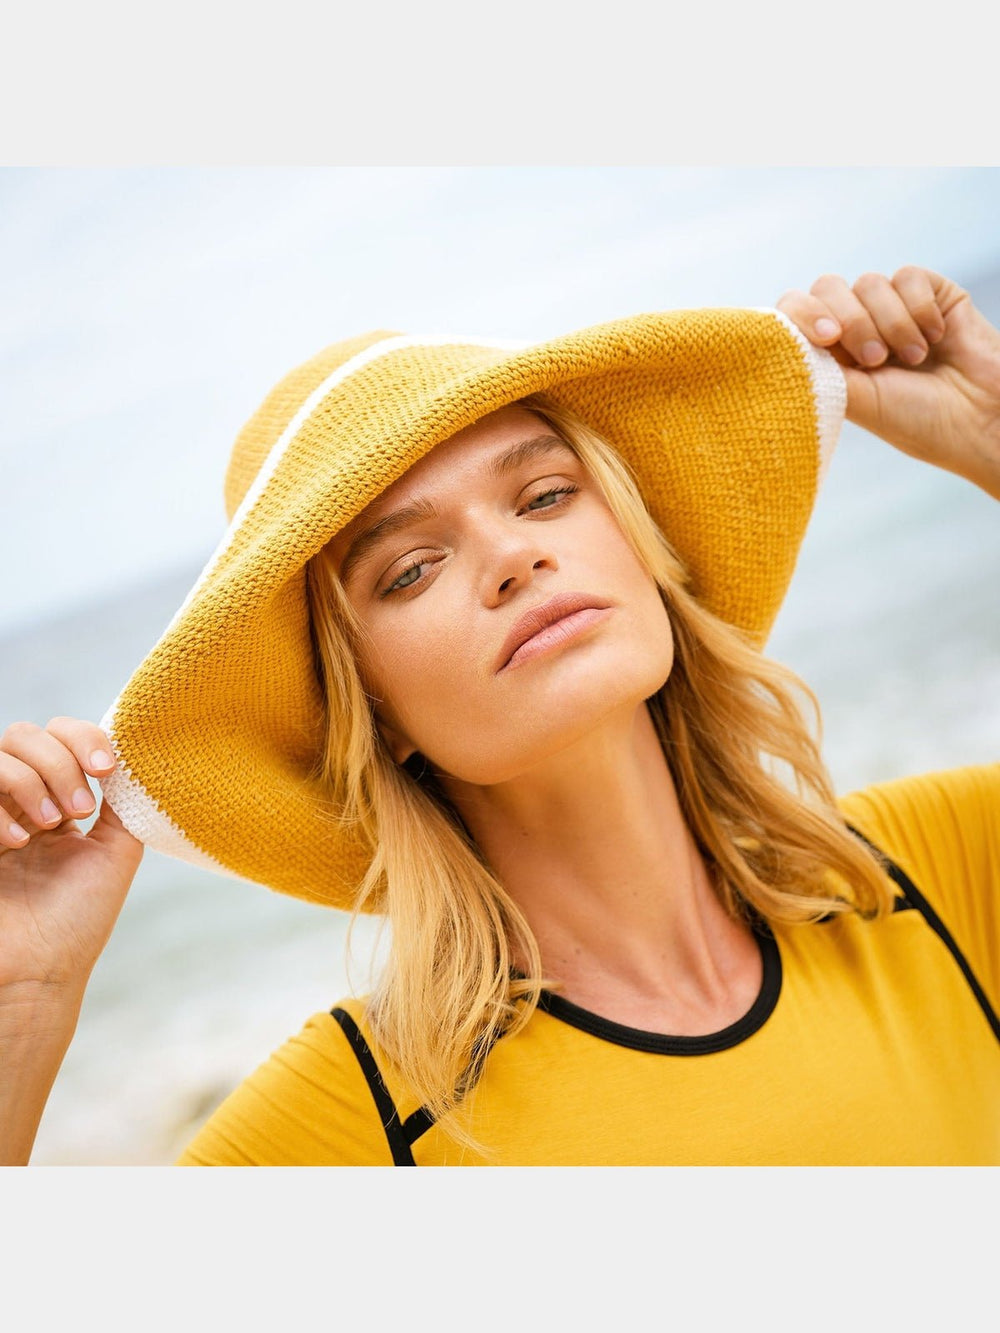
<point x="727" y="418"/>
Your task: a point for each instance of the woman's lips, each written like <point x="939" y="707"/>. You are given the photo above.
<point x="558" y="633"/>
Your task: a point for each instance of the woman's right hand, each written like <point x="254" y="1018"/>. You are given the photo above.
<point x="61" y="890"/>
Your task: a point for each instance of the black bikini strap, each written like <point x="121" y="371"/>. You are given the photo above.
<point x="401" y="1135"/>
<point x="399" y="1144"/>
<point x="914" y="898"/>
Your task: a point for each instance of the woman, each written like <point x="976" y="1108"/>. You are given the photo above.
<point x="444" y="666"/>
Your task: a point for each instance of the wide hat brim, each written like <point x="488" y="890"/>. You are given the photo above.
<point x="726" y="417"/>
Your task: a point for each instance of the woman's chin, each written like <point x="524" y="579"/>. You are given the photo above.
<point x="558" y="739"/>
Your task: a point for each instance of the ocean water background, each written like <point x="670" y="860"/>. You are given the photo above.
<point x="892" y="617"/>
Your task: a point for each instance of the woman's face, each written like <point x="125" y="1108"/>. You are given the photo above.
<point x="494" y="533"/>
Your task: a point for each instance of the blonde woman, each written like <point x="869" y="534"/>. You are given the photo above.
<point x="481" y="651"/>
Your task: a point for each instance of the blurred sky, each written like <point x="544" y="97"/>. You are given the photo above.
<point x="146" y="311"/>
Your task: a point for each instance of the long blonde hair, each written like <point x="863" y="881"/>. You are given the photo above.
<point x="750" y="779"/>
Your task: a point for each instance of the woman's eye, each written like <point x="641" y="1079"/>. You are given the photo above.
<point x="411" y="575"/>
<point x="556" y="491"/>
<point x="404" y="580"/>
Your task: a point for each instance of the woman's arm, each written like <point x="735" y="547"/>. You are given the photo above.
<point x="60" y="894"/>
<point x="922" y="365"/>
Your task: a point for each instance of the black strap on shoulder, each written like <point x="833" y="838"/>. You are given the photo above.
<point x="401" y="1135"/>
<point x="395" y="1131"/>
<point x="416" y="1124"/>
<point x="912" y="897"/>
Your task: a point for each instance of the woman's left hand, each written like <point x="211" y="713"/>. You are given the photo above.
<point x="922" y="365"/>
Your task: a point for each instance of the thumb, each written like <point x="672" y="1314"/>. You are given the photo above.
<point x="862" y="397"/>
<point x="109" y="832"/>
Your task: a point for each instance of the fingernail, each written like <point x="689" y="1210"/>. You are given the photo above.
<point x="913" y="354"/>
<point x="872" y="353"/>
<point x="82" y="800"/>
<point x="826" y="328"/>
<point x="17" y="832"/>
<point x="49" y="811"/>
<point x="101" y="759"/>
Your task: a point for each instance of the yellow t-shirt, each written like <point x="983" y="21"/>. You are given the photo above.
<point x="870" y="1043"/>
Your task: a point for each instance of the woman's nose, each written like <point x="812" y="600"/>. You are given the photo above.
<point x="514" y="579"/>
<point x="511" y="559"/>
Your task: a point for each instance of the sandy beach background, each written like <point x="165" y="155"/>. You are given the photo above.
<point x="892" y="618"/>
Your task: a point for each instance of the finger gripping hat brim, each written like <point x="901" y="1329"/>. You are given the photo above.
<point x="726" y="418"/>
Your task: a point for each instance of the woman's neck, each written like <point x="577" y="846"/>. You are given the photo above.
<point x="594" y="849"/>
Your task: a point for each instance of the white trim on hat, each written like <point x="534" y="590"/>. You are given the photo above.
<point x="829" y="390"/>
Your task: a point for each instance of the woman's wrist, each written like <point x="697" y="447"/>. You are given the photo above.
<point x="985" y="471"/>
<point x="37" y="1024"/>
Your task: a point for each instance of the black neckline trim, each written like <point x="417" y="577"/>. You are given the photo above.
<point x="660" y="1043"/>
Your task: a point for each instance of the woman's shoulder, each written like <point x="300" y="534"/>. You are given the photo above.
<point x="308" y="1102"/>
<point x="932" y="813"/>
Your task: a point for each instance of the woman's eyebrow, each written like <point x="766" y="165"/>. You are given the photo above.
<point x="500" y="466"/>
